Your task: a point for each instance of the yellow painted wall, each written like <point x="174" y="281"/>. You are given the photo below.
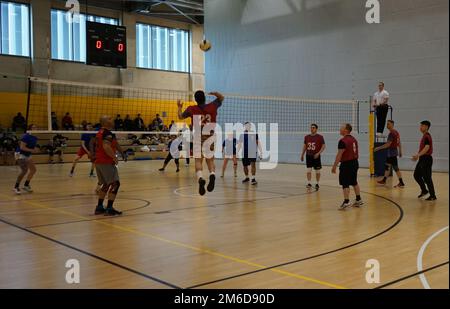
<point x="82" y="108"/>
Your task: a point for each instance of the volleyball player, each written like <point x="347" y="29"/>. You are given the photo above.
<point x="249" y="141"/>
<point x="203" y="115"/>
<point x="27" y="146"/>
<point x="314" y="146"/>
<point x="229" y="152"/>
<point x="84" y="150"/>
<point x="424" y="168"/>
<point x="174" y="153"/>
<point x="105" y="165"/>
<point x="347" y="156"/>
<point x="394" y="148"/>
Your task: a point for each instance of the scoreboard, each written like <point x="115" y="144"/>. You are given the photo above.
<point x="106" y="45"/>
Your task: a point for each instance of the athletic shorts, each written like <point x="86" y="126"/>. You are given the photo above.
<point x="198" y="148"/>
<point x="23" y="161"/>
<point x="81" y="152"/>
<point x="392" y="161"/>
<point x="311" y="162"/>
<point x="107" y="173"/>
<point x="248" y="161"/>
<point x="348" y="173"/>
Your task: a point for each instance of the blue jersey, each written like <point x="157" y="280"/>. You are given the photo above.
<point x="30" y="142"/>
<point x="86" y="139"/>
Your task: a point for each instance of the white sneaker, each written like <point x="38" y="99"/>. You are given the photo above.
<point x="344" y="206"/>
<point x="358" y="204"/>
<point x="17" y="191"/>
<point x="27" y="189"/>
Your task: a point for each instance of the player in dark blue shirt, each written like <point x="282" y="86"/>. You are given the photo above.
<point x="86" y="140"/>
<point x="251" y="145"/>
<point x="229" y="151"/>
<point x="27" y="146"/>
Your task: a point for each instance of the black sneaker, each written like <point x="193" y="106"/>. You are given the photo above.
<point x="254" y="182"/>
<point x="112" y="212"/>
<point x="431" y="199"/>
<point x="423" y="194"/>
<point x="212" y="183"/>
<point x="161" y="169"/>
<point x="99" y="211"/>
<point x="201" y="189"/>
<point x="309" y="186"/>
<point x="317" y="187"/>
<point x="246" y="180"/>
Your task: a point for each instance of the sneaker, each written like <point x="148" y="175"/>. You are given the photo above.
<point x="246" y="180"/>
<point x="92" y="176"/>
<point x="423" y="194"/>
<point x="317" y="187"/>
<point x="254" y="182"/>
<point x="309" y="186"/>
<point x="112" y="212"/>
<point x="400" y="185"/>
<point x="344" y="206"/>
<point x="222" y="176"/>
<point x="71" y="174"/>
<point x="202" y="184"/>
<point x="99" y="211"/>
<point x="381" y="182"/>
<point x="358" y="204"/>
<point x="431" y="199"/>
<point x="17" y="191"/>
<point x="161" y="170"/>
<point x="212" y="183"/>
<point x="27" y="189"/>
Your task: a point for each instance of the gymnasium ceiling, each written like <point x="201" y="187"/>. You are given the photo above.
<point x="190" y="11"/>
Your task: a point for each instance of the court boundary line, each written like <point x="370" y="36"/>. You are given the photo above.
<point x="422" y="277"/>
<point x="399" y="219"/>
<point x="193" y="248"/>
<point x="411" y="276"/>
<point x="126" y="268"/>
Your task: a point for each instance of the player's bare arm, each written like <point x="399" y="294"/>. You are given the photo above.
<point x="218" y="95"/>
<point x="422" y="153"/>
<point x="338" y="159"/>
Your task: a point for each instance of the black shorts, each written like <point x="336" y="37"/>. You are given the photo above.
<point x="313" y="163"/>
<point x="248" y="161"/>
<point x="392" y="161"/>
<point x="348" y="173"/>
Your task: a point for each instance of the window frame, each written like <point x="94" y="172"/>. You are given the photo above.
<point x="189" y="48"/>
<point x="86" y="20"/>
<point x="30" y="27"/>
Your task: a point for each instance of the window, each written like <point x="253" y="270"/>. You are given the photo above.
<point x="69" y="34"/>
<point x="162" y="48"/>
<point x="14" y="29"/>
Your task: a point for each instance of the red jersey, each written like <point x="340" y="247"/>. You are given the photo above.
<point x="207" y="112"/>
<point x="350" y="144"/>
<point x="427" y="140"/>
<point x="394" y="138"/>
<point x="100" y="155"/>
<point x="314" y="144"/>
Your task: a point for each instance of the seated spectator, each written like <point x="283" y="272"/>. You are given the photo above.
<point x="157" y="124"/>
<point x="84" y="125"/>
<point x="67" y="122"/>
<point x="54" y="122"/>
<point x="118" y="123"/>
<point x="19" y="122"/>
<point x="139" y="123"/>
<point x="172" y="124"/>
<point x="128" y="124"/>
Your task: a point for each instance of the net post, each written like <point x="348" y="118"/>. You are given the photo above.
<point x="371" y="139"/>
<point x="28" y="103"/>
<point x="49" y="106"/>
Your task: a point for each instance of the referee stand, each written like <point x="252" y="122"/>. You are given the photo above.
<point x="378" y="159"/>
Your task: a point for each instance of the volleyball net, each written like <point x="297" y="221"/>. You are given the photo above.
<point x="49" y="101"/>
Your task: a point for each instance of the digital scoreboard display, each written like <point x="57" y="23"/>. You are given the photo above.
<point x="106" y="45"/>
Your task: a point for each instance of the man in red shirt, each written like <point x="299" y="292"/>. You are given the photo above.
<point x="394" y="147"/>
<point x="347" y="156"/>
<point x="204" y="116"/>
<point x="106" y="146"/>
<point x="423" y="172"/>
<point x="314" y="146"/>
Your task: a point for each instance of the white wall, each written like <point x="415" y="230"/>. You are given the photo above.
<point x="325" y="49"/>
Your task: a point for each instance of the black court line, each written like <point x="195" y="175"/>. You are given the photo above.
<point x="400" y="218"/>
<point x="411" y="276"/>
<point x="161" y="212"/>
<point x="173" y="286"/>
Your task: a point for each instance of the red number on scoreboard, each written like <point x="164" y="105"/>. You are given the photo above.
<point x="120" y="47"/>
<point x="98" y="44"/>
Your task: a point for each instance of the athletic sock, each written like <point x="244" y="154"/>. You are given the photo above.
<point x="100" y="203"/>
<point x="358" y="198"/>
<point x="346" y="201"/>
<point x="110" y="205"/>
<point x="72" y="170"/>
<point x="401" y="181"/>
<point x="199" y="175"/>
<point x="27" y="183"/>
<point x="17" y="185"/>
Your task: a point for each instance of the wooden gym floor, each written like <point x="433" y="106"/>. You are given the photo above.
<point x="275" y="235"/>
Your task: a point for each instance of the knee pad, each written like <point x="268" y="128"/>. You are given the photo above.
<point x="115" y="187"/>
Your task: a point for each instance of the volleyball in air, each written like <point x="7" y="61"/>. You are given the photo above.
<point x="205" y="45"/>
